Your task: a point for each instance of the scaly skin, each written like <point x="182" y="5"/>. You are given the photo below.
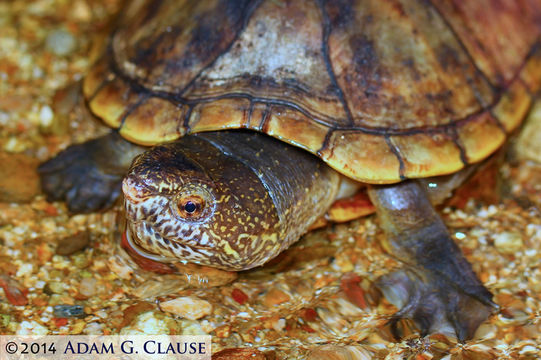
<point x="438" y="285"/>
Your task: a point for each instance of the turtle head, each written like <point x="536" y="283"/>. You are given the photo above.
<point x="187" y="201"/>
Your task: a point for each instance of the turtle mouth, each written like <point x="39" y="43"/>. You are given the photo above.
<point x="133" y="244"/>
<point x="150" y="244"/>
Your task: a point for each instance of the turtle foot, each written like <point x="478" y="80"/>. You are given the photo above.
<point x="434" y="304"/>
<point x="78" y="176"/>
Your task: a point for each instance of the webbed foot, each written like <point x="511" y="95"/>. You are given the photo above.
<point x="439" y="290"/>
<point x="434" y="304"/>
<point x="88" y="176"/>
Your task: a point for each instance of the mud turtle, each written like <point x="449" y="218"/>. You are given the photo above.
<point x="380" y="91"/>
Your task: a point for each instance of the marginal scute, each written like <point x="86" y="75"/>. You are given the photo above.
<point x="480" y="136"/>
<point x="513" y="106"/>
<point x="112" y="100"/>
<point x="531" y="72"/>
<point x="363" y="157"/>
<point x="294" y="127"/>
<point x="258" y="114"/>
<point x="98" y="74"/>
<point x="154" y="121"/>
<point x="427" y="154"/>
<point x="219" y="114"/>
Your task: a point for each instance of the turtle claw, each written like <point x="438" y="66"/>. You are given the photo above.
<point x="75" y="176"/>
<point x="434" y="304"/>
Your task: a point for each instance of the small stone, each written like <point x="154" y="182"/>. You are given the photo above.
<point x="81" y="11"/>
<point x="223" y="331"/>
<point x="239" y="296"/>
<point x="132" y="311"/>
<point x="19" y="180"/>
<point x="53" y="287"/>
<point x="239" y="354"/>
<point x="46" y="116"/>
<point x="146" y="323"/>
<point x="350" y="284"/>
<point x="93" y="328"/>
<point x="68" y="311"/>
<point x="14" y="145"/>
<point x="88" y="287"/>
<point x="187" y="307"/>
<point x="60" y="42"/>
<point x="14" y="292"/>
<point x="72" y="243"/>
<point x="31" y="328"/>
<point x="485" y="332"/>
<point x="508" y="242"/>
<point x="78" y="327"/>
<point x="275" y="297"/>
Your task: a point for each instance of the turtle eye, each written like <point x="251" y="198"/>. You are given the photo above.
<point x="193" y="202"/>
<point x="190" y="206"/>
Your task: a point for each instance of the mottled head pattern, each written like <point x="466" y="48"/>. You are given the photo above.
<point x="189" y="201"/>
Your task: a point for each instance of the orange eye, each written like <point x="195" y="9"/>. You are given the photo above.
<point x="190" y="207"/>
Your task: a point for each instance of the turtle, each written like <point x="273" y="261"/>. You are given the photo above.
<point x="236" y="123"/>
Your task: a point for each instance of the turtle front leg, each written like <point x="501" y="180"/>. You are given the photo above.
<point x="88" y="176"/>
<point x="438" y="287"/>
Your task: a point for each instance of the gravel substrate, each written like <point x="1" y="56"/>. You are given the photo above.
<point x="65" y="274"/>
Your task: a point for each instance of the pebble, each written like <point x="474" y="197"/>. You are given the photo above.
<point x="275" y="297"/>
<point x="60" y="42"/>
<point x="46" y="116"/>
<point x="133" y="311"/>
<point x="72" y="243"/>
<point x="239" y="296"/>
<point x="14" y="292"/>
<point x="350" y="284"/>
<point x="87" y="287"/>
<point x="93" y="328"/>
<point x="508" y="242"/>
<point x="68" y="311"/>
<point x="486" y="331"/>
<point x="147" y="323"/>
<point x="31" y="328"/>
<point x="19" y="180"/>
<point x="54" y="287"/>
<point x="187" y="307"/>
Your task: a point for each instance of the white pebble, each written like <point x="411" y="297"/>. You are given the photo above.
<point x="24" y="269"/>
<point x="93" y="329"/>
<point x="508" y="242"/>
<point x="31" y="328"/>
<point x="146" y="324"/>
<point x="187" y="307"/>
<point x="88" y="287"/>
<point x="45" y="116"/>
<point x="60" y="42"/>
<point x="13" y="145"/>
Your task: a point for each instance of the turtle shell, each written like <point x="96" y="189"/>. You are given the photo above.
<point x="381" y="90"/>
